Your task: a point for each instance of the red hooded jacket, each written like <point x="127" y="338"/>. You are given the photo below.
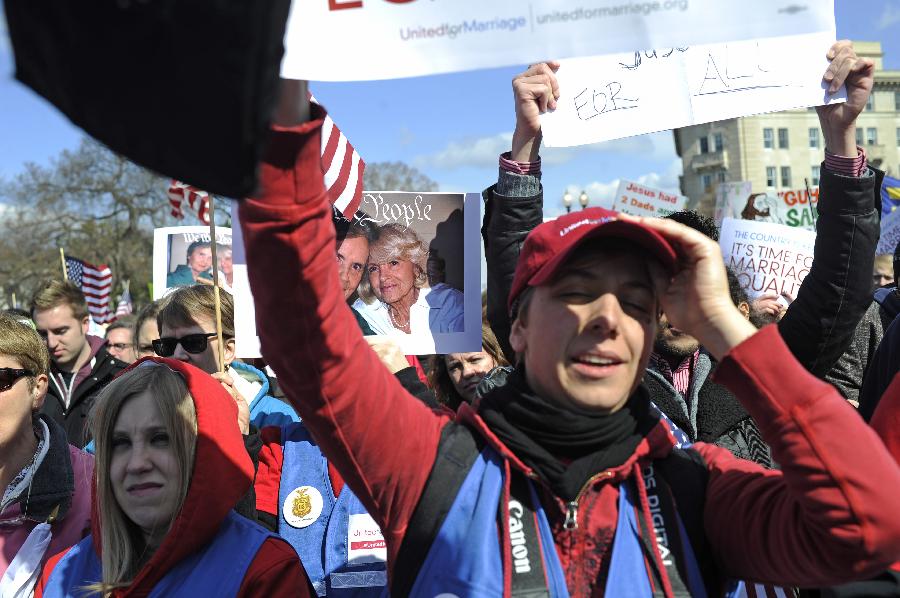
<point x="223" y="472"/>
<point x="826" y="517"/>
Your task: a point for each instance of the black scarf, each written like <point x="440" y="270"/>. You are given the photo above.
<point x="540" y="432"/>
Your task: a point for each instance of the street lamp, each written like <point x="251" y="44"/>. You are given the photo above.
<point x="583" y="200"/>
<point x="567" y="201"/>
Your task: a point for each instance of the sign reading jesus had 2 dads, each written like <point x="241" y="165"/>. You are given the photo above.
<point x="640" y="200"/>
<point x="767" y="257"/>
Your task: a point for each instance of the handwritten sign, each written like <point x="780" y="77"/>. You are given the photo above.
<point x="766" y="257"/>
<point x="619" y="95"/>
<point x="890" y="233"/>
<point x="640" y="200"/>
<point x="384" y="39"/>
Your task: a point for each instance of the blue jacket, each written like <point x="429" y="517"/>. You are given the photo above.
<point x="265" y="410"/>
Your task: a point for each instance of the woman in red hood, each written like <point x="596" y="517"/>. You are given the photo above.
<point x="170" y="465"/>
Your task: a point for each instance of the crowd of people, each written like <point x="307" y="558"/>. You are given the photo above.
<point x="634" y="424"/>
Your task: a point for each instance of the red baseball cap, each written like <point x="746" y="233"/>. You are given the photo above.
<point x="550" y="244"/>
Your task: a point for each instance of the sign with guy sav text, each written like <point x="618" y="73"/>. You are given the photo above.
<point x="409" y="265"/>
<point x="640" y="200"/>
<point x="351" y="40"/>
<point x="182" y="256"/>
<point x="767" y="257"/>
<point x="620" y="95"/>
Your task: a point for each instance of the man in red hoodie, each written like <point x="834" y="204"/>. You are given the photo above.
<point x="568" y="456"/>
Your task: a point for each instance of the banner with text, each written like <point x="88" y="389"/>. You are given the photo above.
<point x="640" y="200"/>
<point x="619" y="95"/>
<point x="182" y="256"/>
<point x="890" y="233"/>
<point x="792" y="207"/>
<point x="766" y="257"/>
<point x="352" y="40"/>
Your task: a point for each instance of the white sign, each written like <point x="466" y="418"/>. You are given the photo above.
<point x="352" y="40"/>
<point x="890" y="233"/>
<point x="640" y="200"/>
<point x="365" y="542"/>
<point x="182" y="256"/>
<point x="730" y="199"/>
<point x="615" y="96"/>
<point x="246" y="343"/>
<point x="766" y="257"/>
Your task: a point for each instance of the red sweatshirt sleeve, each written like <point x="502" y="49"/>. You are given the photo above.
<point x="382" y="440"/>
<point x="886" y="419"/>
<point x="276" y="571"/>
<point x="830" y="514"/>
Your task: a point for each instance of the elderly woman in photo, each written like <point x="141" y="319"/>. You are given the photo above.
<point x="395" y="297"/>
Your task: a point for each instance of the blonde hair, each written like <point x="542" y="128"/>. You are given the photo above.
<point x="53" y="293"/>
<point x="184" y="304"/>
<point x="123" y="550"/>
<point x="885" y="262"/>
<point x="22" y="343"/>
<point x="396" y="242"/>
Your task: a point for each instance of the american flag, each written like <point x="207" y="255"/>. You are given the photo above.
<point x="342" y="168"/>
<point x="96" y="283"/>
<point x="125" y="306"/>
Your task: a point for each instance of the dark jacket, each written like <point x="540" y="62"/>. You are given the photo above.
<point x="90" y="380"/>
<point x="848" y="373"/>
<point x="817" y="327"/>
<point x="884" y="366"/>
<point x="385" y="443"/>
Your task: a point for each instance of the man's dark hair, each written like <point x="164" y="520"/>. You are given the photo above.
<point x="358" y="226"/>
<point x="737" y="292"/>
<point x="697" y="221"/>
<point x="197" y="245"/>
<point x="126" y="322"/>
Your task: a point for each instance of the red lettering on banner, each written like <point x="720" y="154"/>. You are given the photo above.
<point x="368" y="545"/>
<point x="792" y="198"/>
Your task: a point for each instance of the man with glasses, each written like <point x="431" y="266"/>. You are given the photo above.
<point x="81" y="364"/>
<point x="186" y="323"/>
<point x="119" y="340"/>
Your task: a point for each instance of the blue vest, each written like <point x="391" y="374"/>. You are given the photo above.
<point x="218" y="569"/>
<point x="465" y="558"/>
<point x="337" y="547"/>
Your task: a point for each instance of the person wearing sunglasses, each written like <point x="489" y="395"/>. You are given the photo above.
<point x="186" y="323"/>
<point x="80" y="365"/>
<point x="45" y="483"/>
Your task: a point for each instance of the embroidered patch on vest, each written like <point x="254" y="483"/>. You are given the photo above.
<point x="302" y="506"/>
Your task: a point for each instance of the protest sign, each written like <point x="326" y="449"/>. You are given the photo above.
<point x="443" y="229"/>
<point x="791" y="207"/>
<point x="384" y="39"/>
<point x="890" y="233"/>
<point x="766" y="257"/>
<point x="731" y="199"/>
<point x="640" y="200"/>
<point x="619" y="95"/>
<point x="182" y="256"/>
<point x="246" y="342"/>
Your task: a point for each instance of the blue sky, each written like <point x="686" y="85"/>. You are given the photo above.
<point x="451" y="126"/>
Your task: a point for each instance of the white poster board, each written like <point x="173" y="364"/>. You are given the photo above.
<point x="766" y="257"/>
<point x="890" y="234"/>
<point x="350" y="40"/>
<point x="182" y="256"/>
<point x="641" y="200"/>
<point x="448" y="317"/>
<point x="791" y="207"/>
<point x="731" y="199"/>
<point x="620" y="95"/>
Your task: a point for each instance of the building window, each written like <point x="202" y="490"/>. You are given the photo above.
<point x="898" y="136"/>
<point x="704" y="145"/>
<point x="870" y="103"/>
<point x="871" y="136"/>
<point x="770" y="176"/>
<point x="785" y="176"/>
<point x="706" y="181"/>
<point x="782" y="138"/>
<point x="768" y="139"/>
<point x="859" y="136"/>
<point x="815" y="175"/>
<point x="718" y="143"/>
<point x="814" y="137"/>
<point x="897" y="101"/>
<point x="720" y="176"/>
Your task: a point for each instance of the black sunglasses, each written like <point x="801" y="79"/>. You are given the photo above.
<point x="8" y="377"/>
<point x="192" y="343"/>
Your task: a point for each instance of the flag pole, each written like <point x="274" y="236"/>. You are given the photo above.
<point x="216" y="291"/>
<point x="62" y="258"/>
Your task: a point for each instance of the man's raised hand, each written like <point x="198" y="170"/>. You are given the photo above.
<point x="535" y="91"/>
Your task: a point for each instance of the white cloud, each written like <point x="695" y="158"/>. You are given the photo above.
<point x="483" y="151"/>
<point x="890" y="16"/>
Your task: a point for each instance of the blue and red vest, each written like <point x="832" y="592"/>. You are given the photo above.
<point x="218" y="569"/>
<point x="465" y="557"/>
<point x="339" y="543"/>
